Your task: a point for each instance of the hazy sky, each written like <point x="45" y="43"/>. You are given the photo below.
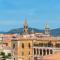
<point x="37" y="12"/>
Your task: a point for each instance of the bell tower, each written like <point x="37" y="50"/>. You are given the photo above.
<point x="47" y="32"/>
<point x="25" y="26"/>
<point x="32" y="31"/>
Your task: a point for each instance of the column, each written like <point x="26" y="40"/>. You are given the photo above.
<point x="54" y="44"/>
<point x="36" y="51"/>
<point x="42" y="52"/>
<point x="49" y="51"/>
<point x="39" y="51"/>
<point x="46" y="51"/>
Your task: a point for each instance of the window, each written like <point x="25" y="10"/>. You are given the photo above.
<point x="9" y="54"/>
<point x="24" y="30"/>
<point x="44" y="52"/>
<point x="22" y="45"/>
<point x="29" y="45"/>
<point x="45" y="44"/>
<point x="47" y="51"/>
<point x="6" y="44"/>
<point x="26" y="26"/>
<point x="13" y="37"/>
<point x="41" y="44"/>
<point x="14" y="58"/>
<point x="37" y="51"/>
<point x="34" y="51"/>
<point x="22" y="53"/>
<point x="13" y="46"/>
<point x="29" y="52"/>
<point x="40" y="51"/>
<point x="29" y="58"/>
<point x="51" y="52"/>
<point x="57" y="45"/>
<point x="50" y="44"/>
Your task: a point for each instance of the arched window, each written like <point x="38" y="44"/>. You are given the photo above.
<point x="6" y="44"/>
<point x="22" y="53"/>
<point x="47" y="51"/>
<point x="51" y="51"/>
<point x="26" y="26"/>
<point x="29" y="52"/>
<point x="44" y="52"/>
<point x="29" y="45"/>
<point x="34" y="51"/>
<point x="40" y="51"/>
<point x="13" y="46"/>
<point x="22" y="45"/>
<point x="14" y="58"/>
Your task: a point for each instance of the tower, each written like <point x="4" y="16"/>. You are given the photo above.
<point x="25" y="26"/>
<point x="47" y="32"/>
<point x="32" y="31"/>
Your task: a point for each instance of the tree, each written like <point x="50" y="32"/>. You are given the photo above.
<point x="2" y="54"/>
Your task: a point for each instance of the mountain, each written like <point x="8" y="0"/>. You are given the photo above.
<point x="53" y="32"/>
<point x="20" y="30"/>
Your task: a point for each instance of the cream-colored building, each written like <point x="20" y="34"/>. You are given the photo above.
<point x="33" y="46"/>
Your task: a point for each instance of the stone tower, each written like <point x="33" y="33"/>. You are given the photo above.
<point x="32" y="31"/>
<point x="25" y="26"/>
<point x="47" y="32"/>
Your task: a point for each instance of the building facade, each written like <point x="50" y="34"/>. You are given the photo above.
<point x="34" y="46"/>
<point x="30" y="45"/>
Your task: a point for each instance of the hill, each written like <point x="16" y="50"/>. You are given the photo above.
<point x="53" y="32"/>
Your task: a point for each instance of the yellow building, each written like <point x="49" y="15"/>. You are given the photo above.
<point x="34" y="46"/>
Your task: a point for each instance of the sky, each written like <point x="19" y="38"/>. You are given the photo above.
<point x="37" y="13"/>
